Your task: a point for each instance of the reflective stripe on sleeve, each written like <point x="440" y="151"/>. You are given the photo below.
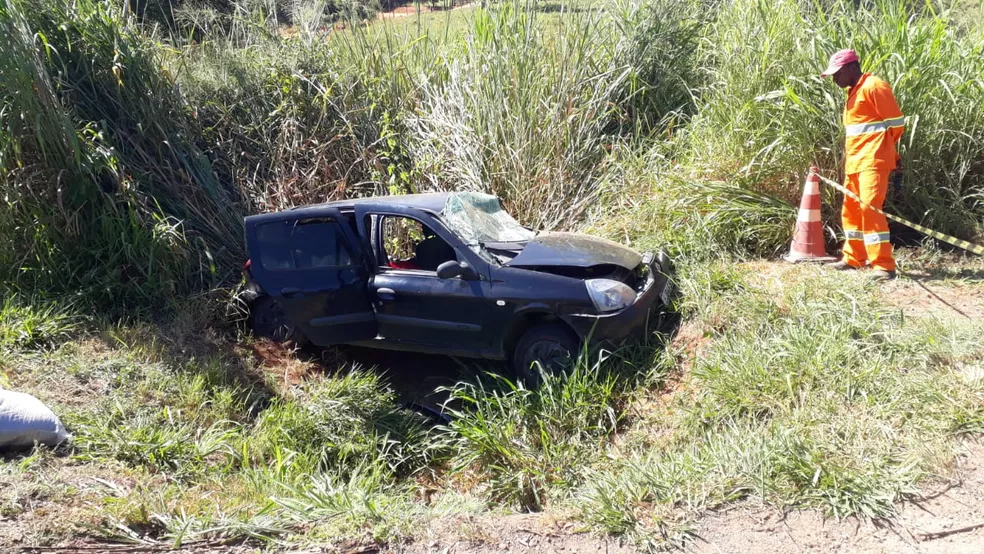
<point x="877" y="238"/>
<point x="873" y="127"/>
<point x="851" y="234"/>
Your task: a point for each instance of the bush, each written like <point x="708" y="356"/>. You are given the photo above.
<point x="525" y="442"/>
<point x="105" y="189"/>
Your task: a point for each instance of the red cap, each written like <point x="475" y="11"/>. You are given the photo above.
<point x="839" y="60"/>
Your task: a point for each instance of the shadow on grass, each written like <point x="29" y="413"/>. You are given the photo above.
<point x="425" y="380"/>
<point x="193" y="344"/>
<point x="944" y="273"/>
<point x="26" y="454"/>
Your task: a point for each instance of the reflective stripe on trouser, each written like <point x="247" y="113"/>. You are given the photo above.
<point x="876" y="238"/>
<point x="865" y="229"/>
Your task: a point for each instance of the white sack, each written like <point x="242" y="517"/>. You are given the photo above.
<point x="24" y="420"/>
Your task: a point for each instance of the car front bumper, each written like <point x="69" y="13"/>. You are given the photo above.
<point x="632" y="320"/>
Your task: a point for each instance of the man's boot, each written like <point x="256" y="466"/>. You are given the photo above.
<point x="841" y="266"/>
<point x="882" y="275"/>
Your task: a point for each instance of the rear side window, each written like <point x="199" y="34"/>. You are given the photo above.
<point x="274" y="246"/>
<point x="302" y="244"/>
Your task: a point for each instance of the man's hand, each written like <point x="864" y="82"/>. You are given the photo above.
<point x="895" y="179"/>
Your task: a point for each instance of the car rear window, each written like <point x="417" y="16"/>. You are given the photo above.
<point x="302" y="244"/>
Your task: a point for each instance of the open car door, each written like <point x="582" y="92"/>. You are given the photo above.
<point x="311" y="262"/>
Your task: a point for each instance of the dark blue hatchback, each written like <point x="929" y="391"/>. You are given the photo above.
<point x="448" y="273"/>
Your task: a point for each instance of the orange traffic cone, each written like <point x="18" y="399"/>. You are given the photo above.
<point x="808" y="243"/>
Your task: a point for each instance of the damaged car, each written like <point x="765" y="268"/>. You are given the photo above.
<point x="445" y="273"/>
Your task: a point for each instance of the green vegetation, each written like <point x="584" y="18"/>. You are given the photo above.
<point x="806" y="391"/>
<point x="812" y="395"/>
<point x="129" y="154"/>
<point x="128" y="159"/>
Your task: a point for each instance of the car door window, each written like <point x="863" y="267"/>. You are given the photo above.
<point x="302" y="244"/>
<point x="274" y="246"/>
<point x="319" y="243"/>
<point x="409" y="244"/>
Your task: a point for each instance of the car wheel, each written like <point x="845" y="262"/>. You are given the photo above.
<point x="553" y="346"/>
<point x="267" y="319"/>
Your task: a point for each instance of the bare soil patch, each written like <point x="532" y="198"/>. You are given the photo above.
<point x="518" y="533"/>
<point x="937" y="290"/>
<point x="419" y="8"/>
<point x="951" y="520"/>
<point x="920" y="295"/>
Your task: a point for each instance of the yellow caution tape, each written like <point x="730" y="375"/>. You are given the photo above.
<point x="968" y="246"/>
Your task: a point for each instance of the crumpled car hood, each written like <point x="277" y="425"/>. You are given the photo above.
<point x="574" y="250"/>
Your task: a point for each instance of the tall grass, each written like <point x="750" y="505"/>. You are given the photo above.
<point x="303" y="120"/>
<point x="530" y="112"/>
<point x="527" y="442"/>
<point x="127" y="168"/>
<point x="106" y="190"/>
<point x="35" y="323"/>
<point x="658" y="40"/>
<point x="766" y="114"/>
<point x="531" y="447"/>
<point x="522" y="113"/>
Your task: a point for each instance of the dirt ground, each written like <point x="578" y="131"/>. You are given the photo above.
<point x="414" y="9"/>
<point x="922" y="294"/>
<point x="518" y="533"/>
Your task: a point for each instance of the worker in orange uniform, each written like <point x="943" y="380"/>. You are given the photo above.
<point x="873" y="124"/>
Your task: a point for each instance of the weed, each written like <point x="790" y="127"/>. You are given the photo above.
<point x="336" y="422"/>
<point x="161" y="440"/>
<point x="528" y="442"/>
<point x="35" y="323"/>
<point x="361" y="497"/>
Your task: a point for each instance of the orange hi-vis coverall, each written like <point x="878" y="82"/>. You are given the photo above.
<point x="873" y="124"/>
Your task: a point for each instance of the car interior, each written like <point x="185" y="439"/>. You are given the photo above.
<point x="409" y="244"/>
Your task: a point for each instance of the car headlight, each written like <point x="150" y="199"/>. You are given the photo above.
<point x="609" y="295"/>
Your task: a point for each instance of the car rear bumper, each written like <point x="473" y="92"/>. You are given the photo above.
<point x="631" y="321"/>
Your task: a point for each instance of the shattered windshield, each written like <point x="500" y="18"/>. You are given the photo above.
<point x="479" y="218"/>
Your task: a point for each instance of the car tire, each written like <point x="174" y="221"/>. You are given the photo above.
<point x="552" y="345"/>
<point x="267" y="319"/>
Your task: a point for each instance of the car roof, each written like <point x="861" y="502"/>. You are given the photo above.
<point x="432" y="201"/>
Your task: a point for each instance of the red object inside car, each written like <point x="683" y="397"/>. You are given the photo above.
<point x="403" y="265"/>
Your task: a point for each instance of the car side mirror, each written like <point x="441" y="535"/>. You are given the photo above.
<point x="452" y="269"/>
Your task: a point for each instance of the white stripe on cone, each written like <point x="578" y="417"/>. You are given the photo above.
<point x="808" y="216"/>
<point x="807" y="244"/>
<point x="812" y="187"/>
